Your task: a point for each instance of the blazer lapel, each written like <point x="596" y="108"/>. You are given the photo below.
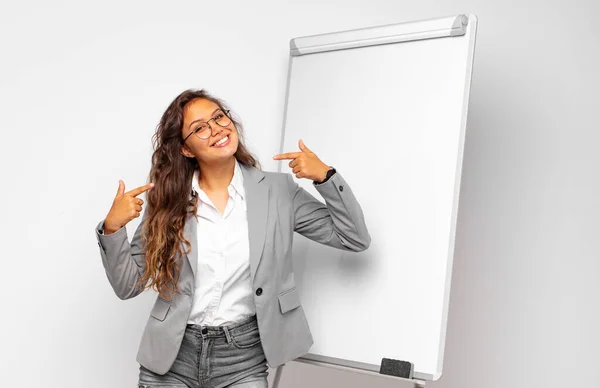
<point x="190" y="232"/>
<point x="257" y="205"/>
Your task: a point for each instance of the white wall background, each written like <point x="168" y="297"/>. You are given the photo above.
<point x="83" y="85"/>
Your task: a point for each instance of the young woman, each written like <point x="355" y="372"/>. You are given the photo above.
<point x="215" y="241"/>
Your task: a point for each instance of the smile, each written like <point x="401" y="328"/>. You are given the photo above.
<point x="222" y="143"/>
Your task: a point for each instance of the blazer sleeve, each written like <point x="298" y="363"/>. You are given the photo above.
<point x="338" y="223"/>
<point x="124" y="262"/>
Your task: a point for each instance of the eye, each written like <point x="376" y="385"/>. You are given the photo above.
<point x="218" y="116"/>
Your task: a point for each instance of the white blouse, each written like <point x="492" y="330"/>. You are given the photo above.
<point x="223" y="290"/>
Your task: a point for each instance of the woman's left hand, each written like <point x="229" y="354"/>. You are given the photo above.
<point x="305" y="164"/>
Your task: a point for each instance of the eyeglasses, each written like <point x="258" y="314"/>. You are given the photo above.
<point x="204" y="129"/>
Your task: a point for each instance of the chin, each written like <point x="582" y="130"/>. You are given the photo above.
<point x="226" y="153"/>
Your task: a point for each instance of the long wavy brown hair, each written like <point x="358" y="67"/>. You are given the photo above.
<point x="169" y="202"/>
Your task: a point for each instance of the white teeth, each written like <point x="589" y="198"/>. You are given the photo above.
<point x="223" y="140"/>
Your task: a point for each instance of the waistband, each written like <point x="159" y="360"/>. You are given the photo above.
<point x="241" y="327"/>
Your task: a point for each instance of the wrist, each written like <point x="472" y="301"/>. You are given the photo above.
<point x="109" y="228"/>
<point x="327" y="175"/>
<point x="324" y="174"/>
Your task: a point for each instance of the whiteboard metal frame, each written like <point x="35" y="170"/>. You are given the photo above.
<point x="445" y="27"/>
<point x="373" y="36"/>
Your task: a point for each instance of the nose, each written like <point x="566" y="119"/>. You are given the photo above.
<point x="216" y="129"/>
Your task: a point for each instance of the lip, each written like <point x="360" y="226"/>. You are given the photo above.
<point x="224" y="144"/>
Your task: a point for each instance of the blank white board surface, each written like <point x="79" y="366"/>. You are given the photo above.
<point x="386" y="106"/>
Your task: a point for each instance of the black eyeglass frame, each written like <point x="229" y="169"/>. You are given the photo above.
<point x="210" y="126"/>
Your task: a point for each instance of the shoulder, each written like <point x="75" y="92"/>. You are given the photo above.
<point x="280" y="181"/>
<point x="277" y="178"/>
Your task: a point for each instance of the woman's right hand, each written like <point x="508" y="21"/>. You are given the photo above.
<point x="125" y="207"/>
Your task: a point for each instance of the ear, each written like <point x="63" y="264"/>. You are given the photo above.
<point x="186" y="152"/>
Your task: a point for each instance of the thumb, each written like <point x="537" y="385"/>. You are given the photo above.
<point x="302" y="146"/>
<point x="121" y="189"/>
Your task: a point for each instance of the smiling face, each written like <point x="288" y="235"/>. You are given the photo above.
<point x="195" y="114"/>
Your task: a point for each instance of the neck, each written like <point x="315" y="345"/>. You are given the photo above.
<point x="216" y="177"/>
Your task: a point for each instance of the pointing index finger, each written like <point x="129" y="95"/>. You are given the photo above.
<point x="139" y="190"/>
<point x="288" y="155"/>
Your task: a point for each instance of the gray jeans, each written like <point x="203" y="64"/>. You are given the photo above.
<point x="215" y="357"/>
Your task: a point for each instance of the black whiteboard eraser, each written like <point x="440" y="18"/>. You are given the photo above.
<point x="396" y="368"/>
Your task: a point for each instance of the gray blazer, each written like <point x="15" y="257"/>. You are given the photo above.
<point x="277" y="206"/>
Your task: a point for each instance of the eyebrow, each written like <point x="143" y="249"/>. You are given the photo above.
<point x="189" y="126"/>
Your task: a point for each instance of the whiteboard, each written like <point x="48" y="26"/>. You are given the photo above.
<point x="387" y="107"/>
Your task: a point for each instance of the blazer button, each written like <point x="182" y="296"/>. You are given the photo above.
<point x="259" y="291"/>
<point x="341" y="188"/>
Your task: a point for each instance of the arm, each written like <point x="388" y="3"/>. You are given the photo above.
<point x="124" y="262"/>
<point x="338" y="223"/>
